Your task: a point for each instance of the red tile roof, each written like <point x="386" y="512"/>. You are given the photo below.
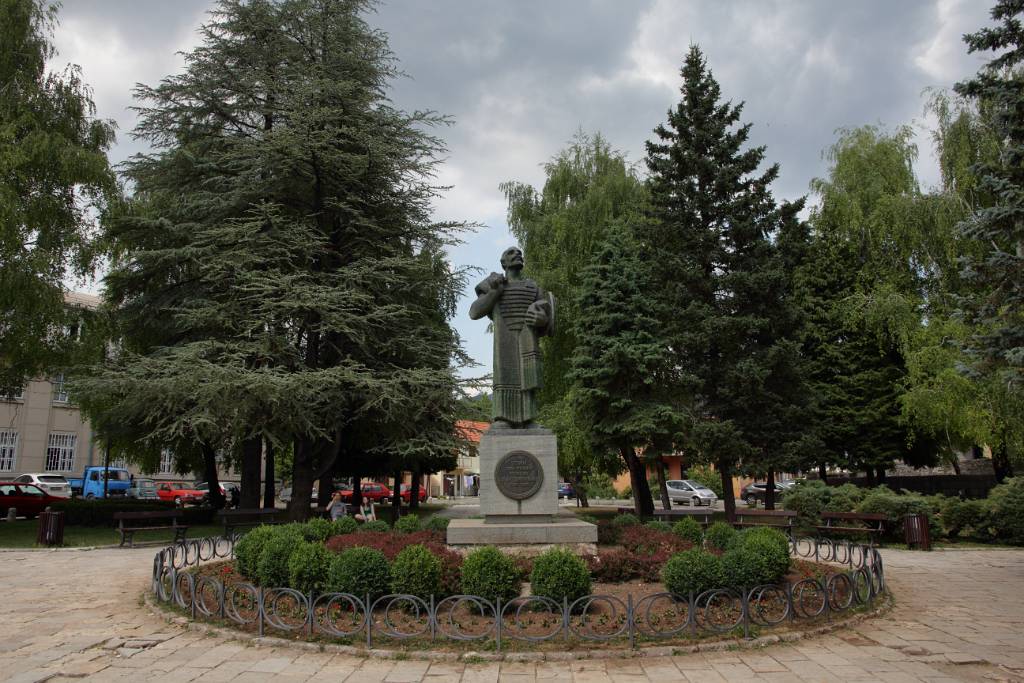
<point x="470" y="430"/>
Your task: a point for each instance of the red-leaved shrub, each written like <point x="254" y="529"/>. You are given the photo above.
<point x="614" y="566"/>
<point x="646" y="541"/>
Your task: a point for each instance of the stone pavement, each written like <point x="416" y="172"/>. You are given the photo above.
<point x="959" y="616"/>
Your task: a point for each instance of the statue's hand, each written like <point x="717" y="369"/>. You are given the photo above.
<point x="496" y="281"/>
<point x="536" y="315"/>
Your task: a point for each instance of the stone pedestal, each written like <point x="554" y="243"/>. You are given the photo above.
<point x="519" y="495"/>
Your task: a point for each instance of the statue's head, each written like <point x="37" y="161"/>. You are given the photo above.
<point x="512" y="259"/>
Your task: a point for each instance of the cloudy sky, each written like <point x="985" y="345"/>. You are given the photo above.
<point x="519" y="78"/>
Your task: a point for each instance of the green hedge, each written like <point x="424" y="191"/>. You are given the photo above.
<point x="409" y="524"/>
<point x="416" y="571"/>
<point x="361" y="572"/>
<point x="689" y="529"/>
<point x="308" y="567"/>
<point x="719" y="535"/>
<point x="692" y="570"/>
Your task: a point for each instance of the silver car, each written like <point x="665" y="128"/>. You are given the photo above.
<point x="690" y="492"/>
<point x="54" y="484"/>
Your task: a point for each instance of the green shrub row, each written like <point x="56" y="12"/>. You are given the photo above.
<point x="753" y="557"/>
<point x="998" y="517"/>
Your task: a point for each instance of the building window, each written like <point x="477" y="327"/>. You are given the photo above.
<point x="60" y="452"/>
<point x="119" y="463"/>
<point x="60" y="392"/>
<point x="166" y="462"/>
<point x="8" y="449"/>
<point x="19" y="395"/>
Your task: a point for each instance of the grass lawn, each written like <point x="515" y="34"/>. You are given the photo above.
<point x="22" y="534"/>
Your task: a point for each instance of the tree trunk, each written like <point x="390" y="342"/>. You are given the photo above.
<point x="357" y="491"/>
<point x="396" y="494"/>
<point x="642" y="502"/>
<point x="325" y="489"/>
<point x="252" y="452"/>
<point x="871" y="476"/>
<point x="1001" y="466"/>
<point x="769" y="491"/>
<point x="269" y="479"/>
<point x="880" y="478"/>
<point x="210" y="469"/>
<point x="728" y="495"/>
<point x="666" y="504"/>
<point x="581" y="492"/>
<point x="823" y="472"/>
<point x="414" y="489"/>
<point x="302" y="481"/>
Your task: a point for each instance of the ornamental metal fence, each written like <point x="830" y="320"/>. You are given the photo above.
<point x="856" y="582"/>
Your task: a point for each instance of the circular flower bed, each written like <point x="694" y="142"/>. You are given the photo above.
<point x="658" y="583"/>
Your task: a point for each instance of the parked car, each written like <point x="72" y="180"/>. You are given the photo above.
<point x="92" y="485"/>
<point x="690" y="492"/>
<point x="142" y="489"/>
<point x="285" y="495"/>
<point x="178" y="492"/>
<point x="378" y="493"/>
<point x="755" y="493"/>
<point x="565" y="490"/>
<point x="28" y="499"/>
<point x="228" y="490"/>
<point x="406" y="493"/>
<point x="54" y="484"/>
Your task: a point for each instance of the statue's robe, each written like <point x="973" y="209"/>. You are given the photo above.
<point x="517" y="364"/>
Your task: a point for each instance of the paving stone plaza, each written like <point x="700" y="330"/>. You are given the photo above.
<point x="958" y="616"/>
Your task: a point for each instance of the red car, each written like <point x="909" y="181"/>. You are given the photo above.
<point x="407" y="493"/>
<point x="378" y="493"/>
<point x="29" y="500"/>
<point x="177" y="492"/>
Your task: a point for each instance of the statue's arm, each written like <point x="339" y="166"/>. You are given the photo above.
<point x="488" y="292"/>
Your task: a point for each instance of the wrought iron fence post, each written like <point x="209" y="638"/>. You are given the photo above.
<point x="497" y="625"/>
<point x="192" y="594"/>
<point x="260" y="614"/>
<point x="222" y="596"/>
<point x="745" y="612"/>
<point x="790" y="605"/>
<point x="432" y="618"/>
<point x="691" y="614"/>
<point x="565" y="618"/>
<point x="369" y="621"/>
<point x="630" y="621"/>
<point x="309" y="613"/>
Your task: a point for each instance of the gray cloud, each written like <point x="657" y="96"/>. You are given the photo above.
<point x="520" y="77"/>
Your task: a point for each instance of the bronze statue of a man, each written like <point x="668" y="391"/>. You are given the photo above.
<point x="521" y="313"/>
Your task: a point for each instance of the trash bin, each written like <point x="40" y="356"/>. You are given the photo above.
<point x="917" y="534"/>
<point x="51" y="528"/>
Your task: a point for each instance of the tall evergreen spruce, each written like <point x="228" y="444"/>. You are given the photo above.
<point x="54" y="177"/>
<point x="621" y="368"/>
<point x="278" y="276"/>
<point x="733" y="324"/>
<point x="997" y="309"/>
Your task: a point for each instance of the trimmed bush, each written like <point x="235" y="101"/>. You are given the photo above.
<point x="343" y="525"/>
<point x="692" y="570"/>
<point x="559" y="574"/>
<point x="745" y="567"/>
<point x="317" y="529"/>
<point x="491" y="574"/>
<point x="375" y="525"/>
<point x="690" y="530"/>
<point x="625" y="519"/>
<point x="249" y="548"/>
<point x="308" y="567"/>
<point x="272" y="566"/>
<point x="359" y="571"/>
<point x="436" y="523"/>
<point x="719" y="535"/>
<point x="658" y="525"/>
<point x="772" y="549"/>
<point x="1006" y="511"/>
<point x="964" y="515"/>
<point x="416" y="571"/>
<point x="895" y="506"/>
<point x="409" y="524"/>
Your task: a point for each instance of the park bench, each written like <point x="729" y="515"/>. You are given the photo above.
<point x="702" y="516"/>
<point x="780" y="519"/>
<point x="234" y="519"/>
<point x="130" y="522"/>
<point x="843" y="522"/>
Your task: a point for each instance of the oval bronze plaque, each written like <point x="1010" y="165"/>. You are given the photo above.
<point x="519" y="475"/>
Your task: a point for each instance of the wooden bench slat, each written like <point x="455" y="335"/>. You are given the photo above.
<point x="127" y="531"/>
